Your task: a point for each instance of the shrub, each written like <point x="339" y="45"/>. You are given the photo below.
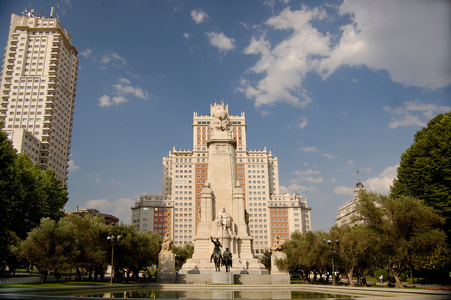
<point x="378" y="273"/>
<point x="403" y="277"/>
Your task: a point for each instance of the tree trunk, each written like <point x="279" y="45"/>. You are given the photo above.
<point x="350" y="276"/>
<point x="43" y="277"/>
<point x="396" y="275"/>
<point x="411" y="276"/>
<point x="398" y="281"/>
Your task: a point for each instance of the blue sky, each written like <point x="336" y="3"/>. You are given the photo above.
<point x="329" y="87"/>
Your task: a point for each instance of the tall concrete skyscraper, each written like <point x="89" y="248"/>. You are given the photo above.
<point x="38" y="85"/>
<point x="177" y="210"/>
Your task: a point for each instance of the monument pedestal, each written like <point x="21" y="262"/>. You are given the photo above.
<point x="278" y="276"/>
<point x="166" y="268"/>
<point x="222" y="278"/>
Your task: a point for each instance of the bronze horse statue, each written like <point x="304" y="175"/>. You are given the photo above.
<point x="217" y="258"/>
<point x="227" y="259"/>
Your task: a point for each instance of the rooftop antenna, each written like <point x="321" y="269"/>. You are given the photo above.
<point x="58" y="9"/>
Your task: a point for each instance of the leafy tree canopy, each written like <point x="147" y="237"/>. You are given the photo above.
<point x="425" y="168"/>
<point x="406" y="228"/>
<point x="26" y="196"/>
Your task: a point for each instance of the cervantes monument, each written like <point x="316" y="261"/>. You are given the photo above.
<point x="222" y="212"/>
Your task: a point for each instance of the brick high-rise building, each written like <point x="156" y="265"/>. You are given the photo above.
<point x="176" y="210"/>
<point x="38" y="85"/>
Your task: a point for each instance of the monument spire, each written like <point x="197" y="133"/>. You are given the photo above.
<point x="222" y="204"/>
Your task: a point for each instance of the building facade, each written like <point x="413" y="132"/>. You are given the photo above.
<point x="347" y="211"/>
<point x="109" y="219"/>
<point x="177" y="209"/>
<point x="38" y="85"/>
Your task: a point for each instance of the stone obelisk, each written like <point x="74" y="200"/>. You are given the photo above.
<point x="222" y="214"/>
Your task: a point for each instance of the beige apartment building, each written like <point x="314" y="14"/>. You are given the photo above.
<point x="177" y="209"/>
<point x="38" y="85"/>
<point x="347" y="211"/>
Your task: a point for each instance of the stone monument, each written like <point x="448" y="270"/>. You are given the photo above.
<point x="222" y="211"/>
<point x="166" y="262"/>
<point x="278" y="276"/>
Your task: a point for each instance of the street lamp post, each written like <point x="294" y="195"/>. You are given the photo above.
<point x="331" y="246"/>
<point x="114" y="240"/>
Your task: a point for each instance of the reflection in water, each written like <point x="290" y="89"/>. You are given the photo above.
<point x="214" y="294"/>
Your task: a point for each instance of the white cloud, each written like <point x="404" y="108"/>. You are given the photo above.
<point x="307" y="172"/>
<point x="329" y="156"/>
<point x="124" y="80"/>
<point x="72" y="166"/>
<point x="312" y="179"/>
<point x="414" y="113"/>
<point x="128" y="89"/>
<point x="86" y="53"/>
<point x="120" y="91"/>
<point x="302" y="123"/>
<point x="119" y="208"/>
<point x="283" y="67"/>
<point x="382" y="183"/>
<point x="187" y="35"/>
<point x="344" y="190"/>
<point x="307" y="176"/>
<point x="105" y="101"/>
<point x="220" y="41"/>
<point x="368" y="169"/>
<point x="119" y="99"/>
<point x="296" y="188"/>
<point x="309" y="149"/>
<point x="110" y="57"/>
<point x="199" y="16"/>
<point x="409" y="39"/>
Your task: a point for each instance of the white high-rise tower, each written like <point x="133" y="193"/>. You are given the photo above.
<point x="38" y="85"/>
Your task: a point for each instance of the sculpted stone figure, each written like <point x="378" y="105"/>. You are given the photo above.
<point x="277" y="244"/>
<point x="167" y="243"/>
<point x="224" y="221"/>
<point x="221" y="121"/>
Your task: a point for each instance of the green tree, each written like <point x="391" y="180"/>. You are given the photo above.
<point x="48" y="247"/>
<point x="425" y="168"/>
<point x="266" y="259"/>
<point x="357" y="248"/>
<point x="29" y="206"/>
<point x="26" y="196"/>
<point x="135" y="250"/>
<point x="306" y="253"/>
<point x="182" y="254"/>
<point x="91" y="243"/>
<point x="54" y="193"/>
<point x="405" y="227"/>
<point x="8" y="193"/>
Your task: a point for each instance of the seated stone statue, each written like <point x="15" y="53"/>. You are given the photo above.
<point x="167" y="243"/>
